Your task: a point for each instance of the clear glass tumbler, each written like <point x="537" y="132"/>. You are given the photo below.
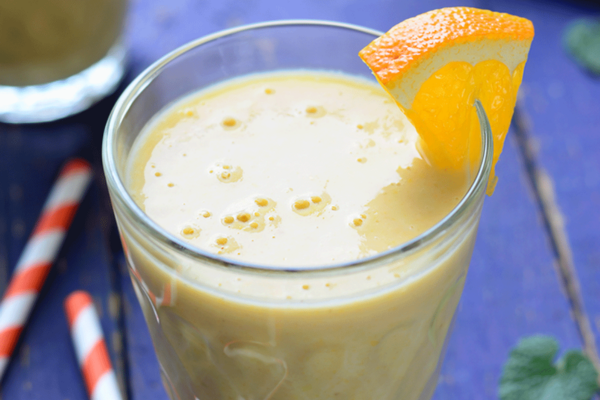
<point x="58" y="57"/>
<point x="381" y="338"/>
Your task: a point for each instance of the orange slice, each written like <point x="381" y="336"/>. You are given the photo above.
<point x="436" y="64"/>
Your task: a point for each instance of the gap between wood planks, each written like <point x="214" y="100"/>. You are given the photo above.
<point x="552" y="218"/>
<point x="115" y="297"/>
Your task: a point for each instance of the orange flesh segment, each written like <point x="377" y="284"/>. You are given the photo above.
<point x="441" y="106"/>
<point x="446" y="120"/>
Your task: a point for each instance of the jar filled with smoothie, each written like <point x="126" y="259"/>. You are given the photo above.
<point x="286" y="235"/>
<point x="57" y="57"/>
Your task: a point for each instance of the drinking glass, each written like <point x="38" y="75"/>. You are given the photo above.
<point x="381" y="334"/>
<point x="58" y="57"/>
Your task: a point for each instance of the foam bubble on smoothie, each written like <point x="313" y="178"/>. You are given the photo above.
<point x="310" y="203"/>
<point x="190" y="232"/>
<point x="230" y="123"/>
<point x="205" y="214"/>
<point x="252" y="217"/>
<point x="224" y="244"/>
<point x="315" y="111"/>
<point x="226" y="173"/>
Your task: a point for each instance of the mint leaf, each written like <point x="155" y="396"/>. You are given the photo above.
<point x="530" y="374"/>
<point x="582" y="40"/>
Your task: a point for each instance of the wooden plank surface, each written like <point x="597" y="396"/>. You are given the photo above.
<point x="511" y="278"/>
<point x="512" y="289"/>
<point x="44" y="364"/>
<point x="561" y="119"/>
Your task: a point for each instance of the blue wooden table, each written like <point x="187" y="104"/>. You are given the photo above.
<point x="536" y="265"/>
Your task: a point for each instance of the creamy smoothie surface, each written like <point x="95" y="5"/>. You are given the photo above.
<point x="293" y="169"/>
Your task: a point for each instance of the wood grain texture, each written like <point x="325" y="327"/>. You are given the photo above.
<point x="30" y="157"/>
<point x="512" y="289"/>
<point x="44" y="365"/>
<point x="560" y="110"/>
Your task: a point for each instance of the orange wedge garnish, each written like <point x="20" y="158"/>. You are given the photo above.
<point x="436" y="64"/>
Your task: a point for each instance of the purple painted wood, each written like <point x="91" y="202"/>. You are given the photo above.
<point x="512" y="289"/>
<point x="44" y="364"/>
<point x="158" y="26"/>
<point x="562" y="104"/>
<point x="144" y="375"/>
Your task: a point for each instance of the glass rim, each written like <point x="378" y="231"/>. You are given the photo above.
<point x="147" y="225"/>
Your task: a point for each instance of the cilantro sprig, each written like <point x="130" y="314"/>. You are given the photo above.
<point x="530" y="373"/>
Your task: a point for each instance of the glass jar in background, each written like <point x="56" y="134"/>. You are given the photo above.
<point x="58" y="57"/>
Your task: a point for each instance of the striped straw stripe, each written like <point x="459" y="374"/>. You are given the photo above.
<point x="39" y="254"/>
<point x="55" y="218"/>
<point x="28" y="280"/>
<point x="87" y="332"/>
<point x="105" y="387"/>
<point x="69" y="191"/>
<point x="12" y="335"/>
<point x="90" y="347"/>
<point x="40" y="249"/>
<point x="13" y="311"/>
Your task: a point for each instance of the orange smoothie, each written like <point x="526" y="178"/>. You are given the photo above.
<point x="295" y="170"/>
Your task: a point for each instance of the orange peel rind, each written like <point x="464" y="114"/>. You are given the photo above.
<point x="436" y="64"/>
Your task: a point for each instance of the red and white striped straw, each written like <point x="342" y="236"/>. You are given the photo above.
<point x="90" y="347"/>
<point x="40" y="253"/>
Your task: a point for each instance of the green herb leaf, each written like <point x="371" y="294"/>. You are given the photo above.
<point x="530" y="374"/>
<point x="582" y="40"/>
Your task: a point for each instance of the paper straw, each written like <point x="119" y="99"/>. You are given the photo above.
<point x="40" y="253"/>
<point x="90" y="347"/>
